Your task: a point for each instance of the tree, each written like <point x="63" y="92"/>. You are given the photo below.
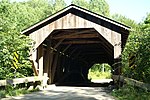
<point x="81" y="3"/>
<point x="58" y="5"/>
<point x="98" y="6"/>
<point x="14" y="17"/>
<point x="124" y="20"/>
<point x="139" y="45"/>
<point x="12" y="41"/>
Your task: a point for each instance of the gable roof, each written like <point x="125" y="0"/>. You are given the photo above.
<point x="81" y="12"/>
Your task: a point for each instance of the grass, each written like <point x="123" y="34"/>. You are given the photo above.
<point x="99" y="75"/>
<point x="11" y="91"/>
<point x="131" y="93"/>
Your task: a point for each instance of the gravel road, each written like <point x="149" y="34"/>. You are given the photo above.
<point x="67" y="93"/>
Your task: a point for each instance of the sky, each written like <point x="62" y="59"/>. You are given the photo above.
<point x="133" y="9"/>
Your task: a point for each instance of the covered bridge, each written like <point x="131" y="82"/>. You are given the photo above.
<point x="69" y="42"/>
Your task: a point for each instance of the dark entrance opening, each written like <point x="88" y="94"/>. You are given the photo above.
<point x="76" y="50"/>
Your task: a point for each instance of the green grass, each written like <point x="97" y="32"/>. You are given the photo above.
<point x="99" y="75"/>
<point x="131" y="93"/>
<point x="11" y="91"/>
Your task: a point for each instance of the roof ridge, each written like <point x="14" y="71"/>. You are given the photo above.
<point x="73" y="6"/>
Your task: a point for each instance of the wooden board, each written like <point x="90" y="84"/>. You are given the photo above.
<point x="70" y="21"/>
<point x="22" y="80"/>
<point x="131" y="82"/>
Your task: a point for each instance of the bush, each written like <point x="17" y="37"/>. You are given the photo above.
<point x="128" y="92"/>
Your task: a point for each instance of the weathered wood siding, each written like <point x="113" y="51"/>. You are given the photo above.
<point x="71" y="21"/>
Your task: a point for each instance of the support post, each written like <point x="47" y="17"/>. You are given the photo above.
<point x="117" y="54"/>
<point x="50" y="68"/>
<point x="40" y="58"/>
<point x="54" y="65"/>
<point x="34" y="61"/>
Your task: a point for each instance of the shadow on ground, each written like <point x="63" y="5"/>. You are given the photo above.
<point x="68" y="93"/>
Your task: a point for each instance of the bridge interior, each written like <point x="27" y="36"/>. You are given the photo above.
<point x="74" y="52"/>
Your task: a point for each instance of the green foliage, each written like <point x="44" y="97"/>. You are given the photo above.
<point x="100" y="71"/>
<point x="125" y="20"/>
<point x="99" y="75"/>
<point x="81" y="3"/>
<point x="12" y="91"/>
<point x="14" y="17"/>
<point x="58" y="5"/>
<point x="101" y="68"/>
<point x="98" y="6"/>
<point x="12" y="41"/>
<point x="139" y="45"/>
<point x="131" y="93"/>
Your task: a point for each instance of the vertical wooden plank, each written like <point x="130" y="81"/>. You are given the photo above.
<point x="47" y="58"/>
<point x="50" y="68"/>
<point x="33" y="58"/>
<point x="40" y="58"/>
<point x="59" y="68"/>
<point x="54" y="65"/>
<point x="117" y="53"/>
<point x="71" y="21"/>
<point x="112" y="37"/>
<point x="117" y="45"/>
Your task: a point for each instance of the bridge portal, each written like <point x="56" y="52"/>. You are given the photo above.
<point x="69" y="42"/>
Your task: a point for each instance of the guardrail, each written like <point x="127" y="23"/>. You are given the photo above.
<point x="42" y="79"/>
<point x="131" y="82"/>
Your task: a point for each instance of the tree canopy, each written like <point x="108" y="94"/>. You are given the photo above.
<point x="98" y="6"/>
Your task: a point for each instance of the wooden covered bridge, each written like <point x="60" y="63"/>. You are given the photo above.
<point x="69" y="42"/>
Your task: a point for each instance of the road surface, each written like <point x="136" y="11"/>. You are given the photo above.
<point x="67" y="93"/>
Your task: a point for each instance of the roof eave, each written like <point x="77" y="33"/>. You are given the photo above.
<point x="72" y="6"/>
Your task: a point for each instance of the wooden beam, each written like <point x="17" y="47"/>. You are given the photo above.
<point x="57" y="45"/>
<point x="47" y="57"/>
<point x="40" y="58"/>
<point x="81" y="42"/>
<point x="50" y="68"/>
<point x="89" y="35"/>
<point x="74" y="50"/>
<point x="22" y="80"/>
<point x="34" y="61"/>
<point x="73" y="34"/>
<point x="66" y="48"/>
<point x="55" y="61"/>
<point x="131" y="82"/>
<point x="34" y="68"/>
<point x="105" y="43"/>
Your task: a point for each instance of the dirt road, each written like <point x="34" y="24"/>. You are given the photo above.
<point x="67" y="93"/>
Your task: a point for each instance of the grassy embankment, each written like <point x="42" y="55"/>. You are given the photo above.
<point x="124" y="93"/>
<point x="131" y="93"/>
<point x="11" y="91"/>
<point x="99" y="75"/>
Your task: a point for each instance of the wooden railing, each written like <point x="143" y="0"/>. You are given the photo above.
<point x="42" y="79"/>
<point x="131" y="82"/>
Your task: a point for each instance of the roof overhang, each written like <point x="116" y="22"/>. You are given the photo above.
<point x="96" y="18"/>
